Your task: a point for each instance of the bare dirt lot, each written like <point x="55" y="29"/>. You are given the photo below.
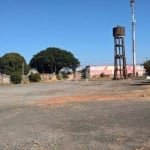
<point x="76" y="115"/>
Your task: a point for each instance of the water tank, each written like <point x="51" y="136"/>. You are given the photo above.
<point x="118" y="31"/>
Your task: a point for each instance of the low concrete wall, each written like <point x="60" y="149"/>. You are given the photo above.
<point x="4" y="79"/>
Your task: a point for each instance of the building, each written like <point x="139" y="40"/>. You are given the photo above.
<point x="109" y="70"/>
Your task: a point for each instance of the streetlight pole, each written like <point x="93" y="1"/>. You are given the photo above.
<point x="132" y="2"/>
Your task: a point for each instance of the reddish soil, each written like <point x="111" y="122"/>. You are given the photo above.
<point x="84" y="98"/>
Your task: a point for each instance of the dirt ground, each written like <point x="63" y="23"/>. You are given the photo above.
<point x="76" y="115"/>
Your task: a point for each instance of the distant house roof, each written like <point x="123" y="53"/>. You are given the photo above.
<point x="33" y="70"/>
<point x="66" y="70"/>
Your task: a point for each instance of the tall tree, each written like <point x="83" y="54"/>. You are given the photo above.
<point x="147" y="66"/>
<point x="53" y="59"/>
<point x="13" y="62"/>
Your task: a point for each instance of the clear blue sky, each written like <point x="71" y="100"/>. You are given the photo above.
<point x="83" y="27"/>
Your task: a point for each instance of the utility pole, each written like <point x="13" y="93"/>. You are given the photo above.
<point x="132" y="4"/>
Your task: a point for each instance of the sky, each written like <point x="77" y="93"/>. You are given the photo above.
<point x="83" y="27"/>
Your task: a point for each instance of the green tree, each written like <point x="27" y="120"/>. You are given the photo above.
<point x="13" y="62"/>
<point x="53" y="59"/>
<point x="147" y="66"/>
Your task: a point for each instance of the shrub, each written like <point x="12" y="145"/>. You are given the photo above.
<point x="62" y="75"/>
<point x="102" y="75"/>
<point x="59" y="76"/>
<point x="65" y="75"/>
<point x="85" y="74"/>
<point x="34" y="77"/>
<point x="16" y="77"/>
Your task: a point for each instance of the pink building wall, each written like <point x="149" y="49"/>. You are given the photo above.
<point x="109" y="70"/>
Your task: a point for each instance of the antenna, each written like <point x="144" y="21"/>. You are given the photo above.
<point x="132" y="4"/>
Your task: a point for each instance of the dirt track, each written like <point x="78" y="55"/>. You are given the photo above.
<point x="75" y="115"/>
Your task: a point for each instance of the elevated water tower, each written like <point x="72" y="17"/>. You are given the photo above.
<point x="120" y="71"/>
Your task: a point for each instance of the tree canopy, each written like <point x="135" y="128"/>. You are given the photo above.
<point x="52" y="60"/>
<point x="147" y="66"/>
<point x="13" y="62"/>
